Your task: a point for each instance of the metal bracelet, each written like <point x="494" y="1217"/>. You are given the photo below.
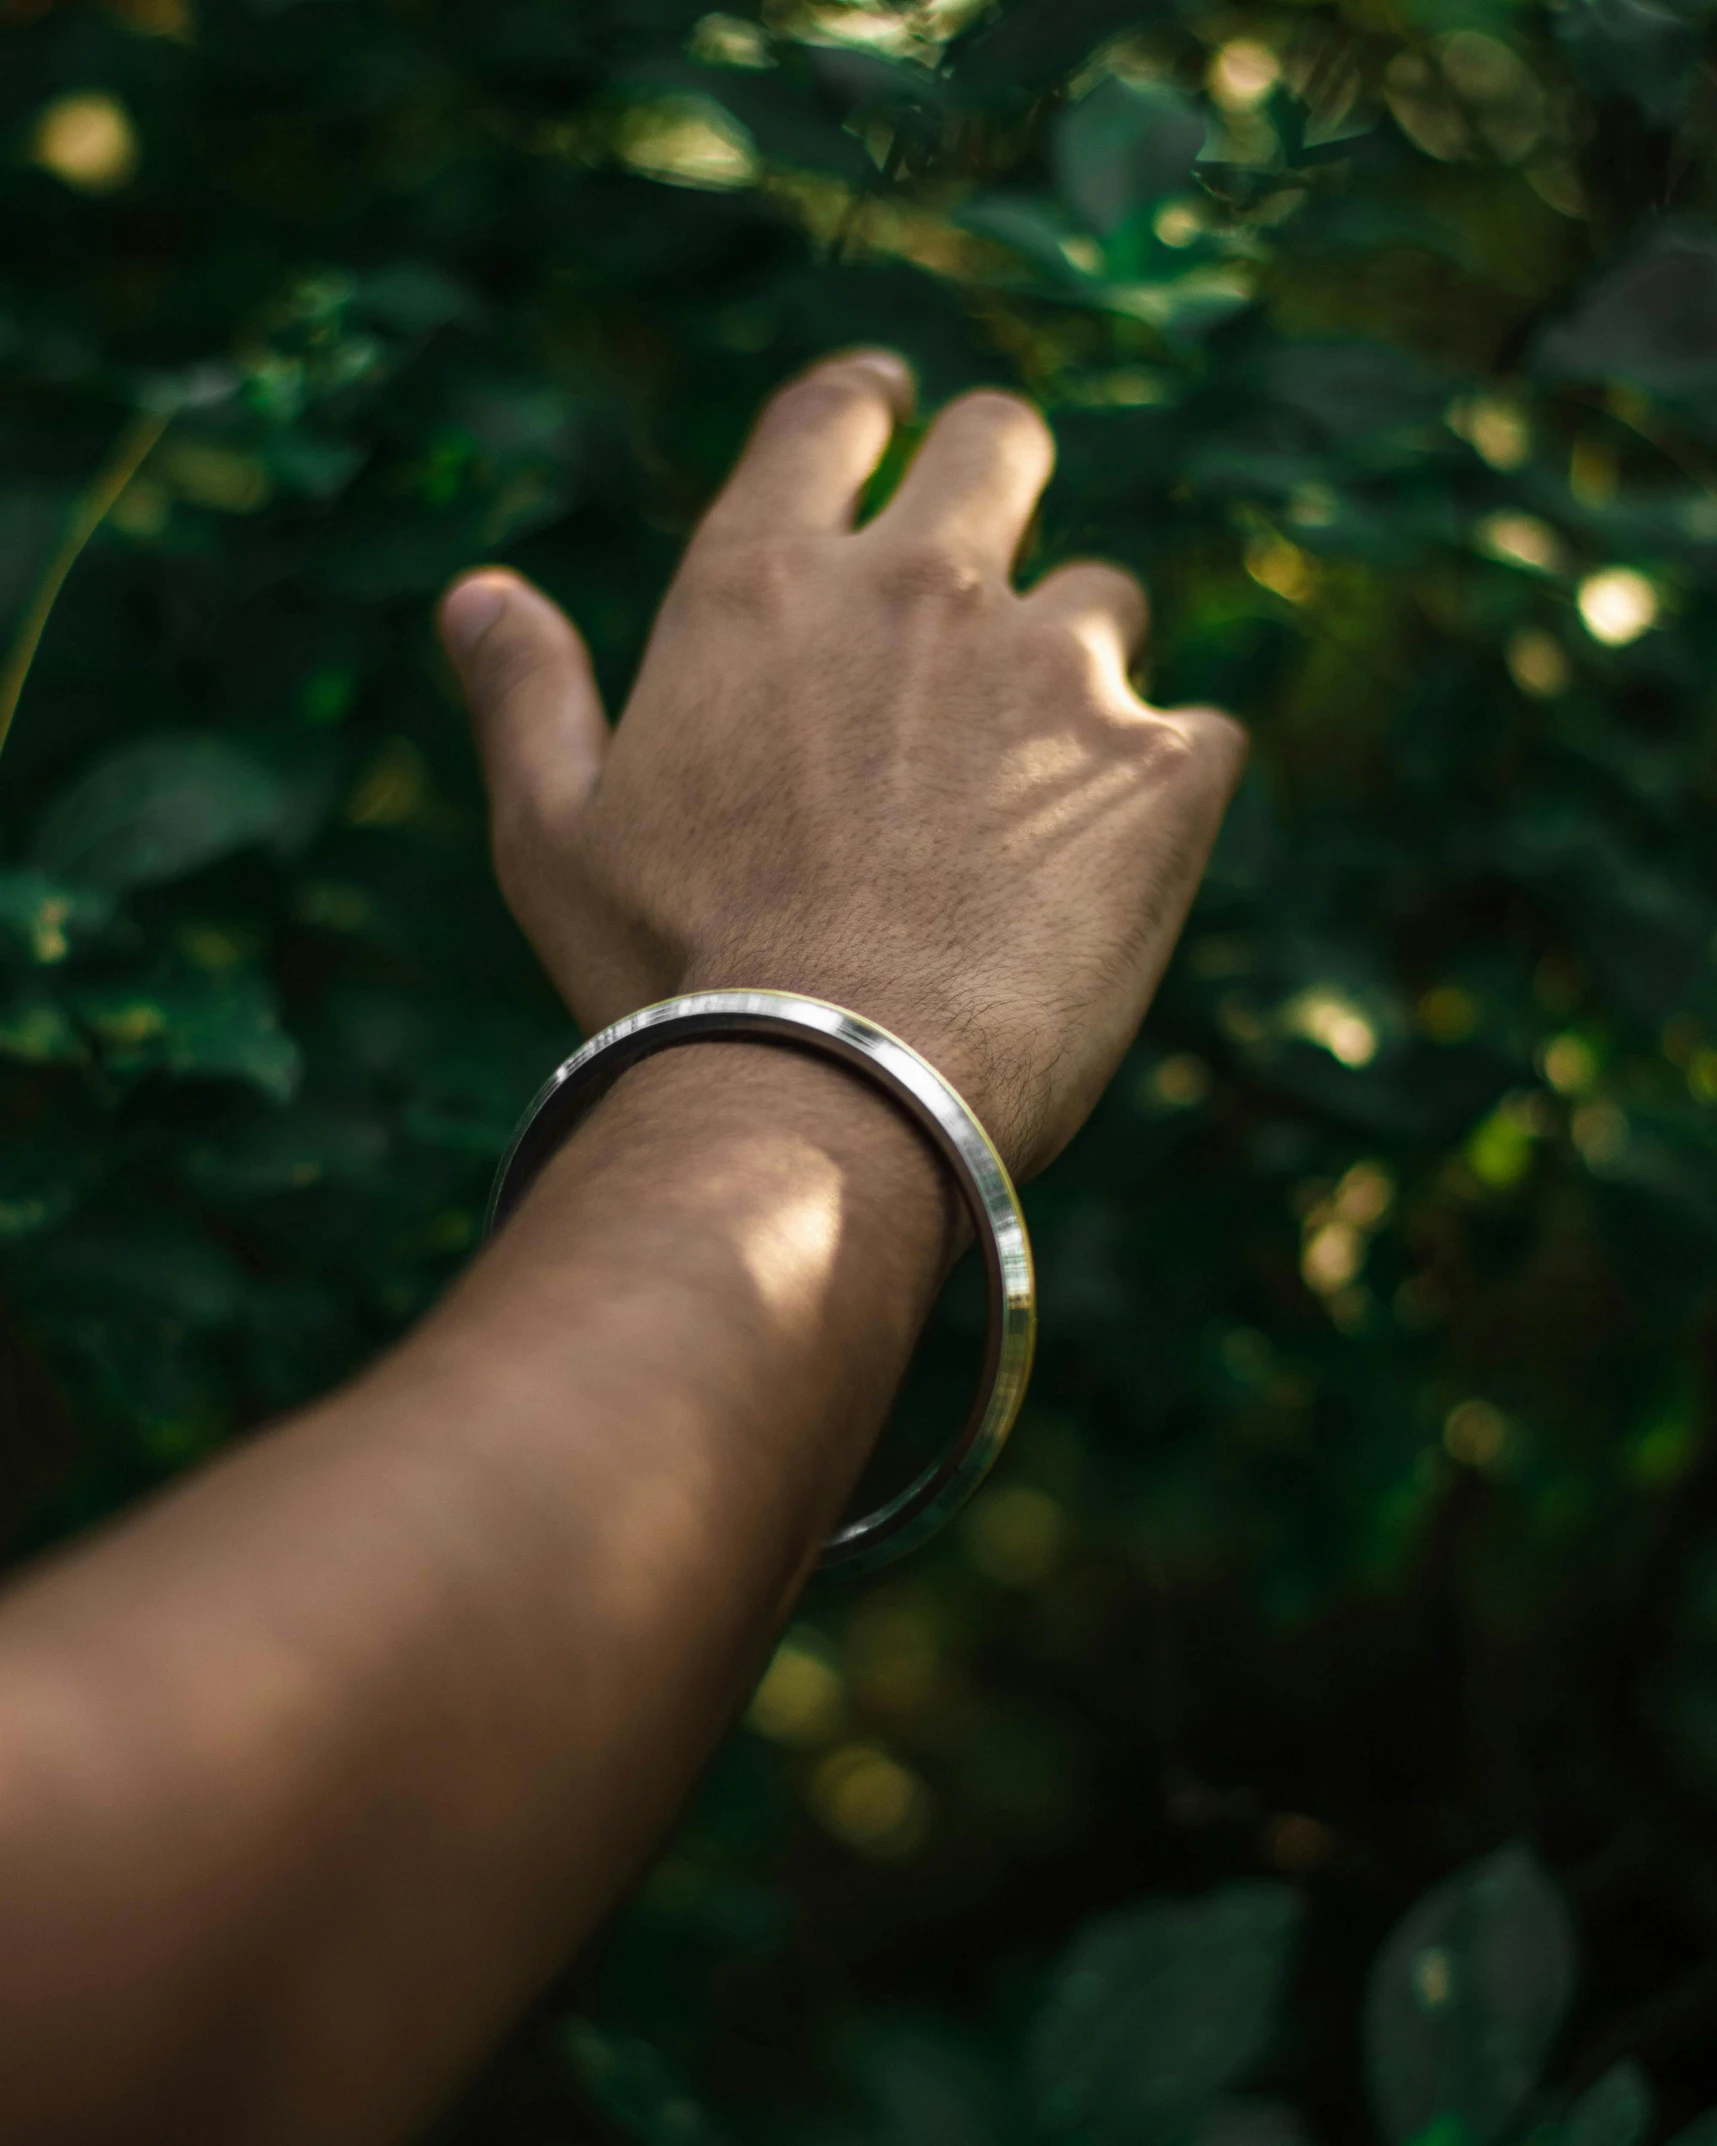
<point x="782" y="1016"/>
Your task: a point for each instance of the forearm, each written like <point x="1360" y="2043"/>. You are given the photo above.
<point x="313" y="1772"/>
<point x="317" y="1768"/>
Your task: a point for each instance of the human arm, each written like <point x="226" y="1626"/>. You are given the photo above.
<point x="313" y="1771"/>
<point x="310" y="1775"/>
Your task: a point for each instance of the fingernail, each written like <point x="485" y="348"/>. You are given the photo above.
<point x="467" y="613"/>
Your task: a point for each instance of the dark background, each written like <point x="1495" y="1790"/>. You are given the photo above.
<point x="1358" y="1549"/>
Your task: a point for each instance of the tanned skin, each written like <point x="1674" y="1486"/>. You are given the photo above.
<point x="315" y="1769"/>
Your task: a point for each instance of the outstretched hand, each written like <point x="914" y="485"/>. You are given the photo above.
<point x="858" y="763"/>
<point x="313" y="1771"/>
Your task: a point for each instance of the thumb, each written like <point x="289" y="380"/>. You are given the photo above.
<point x="528" y="683"/>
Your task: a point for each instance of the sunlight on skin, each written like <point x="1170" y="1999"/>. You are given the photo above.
<point x="1024" y="768"/>
<point x="249" y="1715"/>
<point x="1069" y="806"/>
<point x="771" y="1212"/>
<point x="246" y="1734"/>
<point x="790" y="1251"/>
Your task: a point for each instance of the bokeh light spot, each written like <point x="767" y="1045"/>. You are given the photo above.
<point x="88" y="141"/>
<point x="1498" y="431"/>
<point x="730" y="41"/>
<point x="1281" y="567"/>
<point x="1332" y="1256"/>
<point x="1600" y="1132"/>
<point x="1537" y="664"/>
<point x="894" y="1653"/>
<point x="800" y="1700"/>
<point x="1617" y="605"/>
<point x="1179" y="1082"/>
<point x="1365" y="1195"/>
<point x="1475" y="1433"/>
<point x="1326" y="1018"/>
<point x="395" y="788"/>
<point x="1179" y="223"/>
<point x="1569" y="1064"/>
<point x="1242" y="73"/>
<point x="1447" y="1014"/>
<point x="687" y="141"/>
<point x="1016" y="1536"/>
<point x="1520" y="540"/>
<point x="1500" y="1148"/>
<point x="871" y="1802"/>
<point x="1702" y="1076"/>
<point x="1434" y="1977"/>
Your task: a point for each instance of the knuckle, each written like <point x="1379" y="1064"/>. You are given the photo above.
<point x="1118" y="588"/>
<point x="995" y="410"/>
<point x="1231" y="740"/>
<point x="1094" y="586"/>
<point x="747" y="577"/>
<point x="922" y="571"/>
<point x="818" y="398"/>
<point x="1168" y="753"/>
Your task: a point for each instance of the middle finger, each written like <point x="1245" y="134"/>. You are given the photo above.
<point x="975" y="481"/>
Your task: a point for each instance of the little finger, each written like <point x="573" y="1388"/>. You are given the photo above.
<point x="1102" y="605"/>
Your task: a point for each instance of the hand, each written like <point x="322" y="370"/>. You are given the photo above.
<point x="858" y="764"/>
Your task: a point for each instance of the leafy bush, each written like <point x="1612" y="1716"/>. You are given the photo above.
<point x="1364" y="1525"/>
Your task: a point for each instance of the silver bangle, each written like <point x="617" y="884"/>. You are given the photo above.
<point x="572" y="1090"/>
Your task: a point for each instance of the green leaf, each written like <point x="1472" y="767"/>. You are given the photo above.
<point x="227" y="1026"/>
<point x="635" y="2085"/>
<point x="1181" y="306"/>
<point x="1616" y="2111"/>
<point x="37" y="1030"/>
<point x="1241" y="2120"/>
<point x="1649" y="323"/>
<point x="1031" y="45"/>
<point x="784" y="117"/>
<point x="1466" y="1997"/>
<point x="128" y="1267"/>
<point x="1641" y="49"/>
<point x="1154" y="2013"/>
<point x="927" y="2087"/>
<point x="32" y="519"/>
<point x="867" y="82"/>
<point x="317" y="467"/>
<point x="43" y="914"/>
<point x="1123" y="147"/>
<point x="415" y="297"/>
<point x="39" y="1186"/>
<point x="261" y="1149"/>
<point x="157" y="810"/>
<point x="1039" y="229"/>
<point x="1682" y="1689"/>
<point x="1354" y="390"/>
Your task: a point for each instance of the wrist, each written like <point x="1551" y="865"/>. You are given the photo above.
<point x="944" y="1034"/>
<point x="690" y="1106"/>
<point x="932" y="1107"/>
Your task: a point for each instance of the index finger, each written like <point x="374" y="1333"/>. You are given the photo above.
<point x="814" y="446"/>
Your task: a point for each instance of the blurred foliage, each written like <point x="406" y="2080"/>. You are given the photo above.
<point x="1346" y="1609"/>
